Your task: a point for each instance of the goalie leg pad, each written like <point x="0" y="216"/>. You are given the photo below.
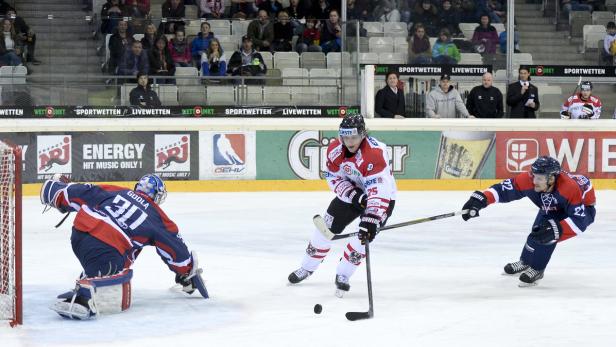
<point x="96" y="295"/>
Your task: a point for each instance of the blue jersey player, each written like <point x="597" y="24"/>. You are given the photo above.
<point x="111" y="227"/>
<point x="567" y="208"/>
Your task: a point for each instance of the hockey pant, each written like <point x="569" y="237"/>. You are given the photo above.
<point x="537" y="255"/>
<point x="338" y="216"/>
<point x="96" y="257"/>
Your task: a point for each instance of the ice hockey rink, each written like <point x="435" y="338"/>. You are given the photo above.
<point x="435" y="284"/>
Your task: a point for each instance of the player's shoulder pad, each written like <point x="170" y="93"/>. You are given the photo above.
<point x="568" y="188"/>
<point x="335" y="155"/>
<point x="523" y="181"/>
<point x="594" y="99"/>
<point x="373" y="157"/>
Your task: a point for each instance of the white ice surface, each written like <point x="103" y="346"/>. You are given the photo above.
<point x="435" y="284"/>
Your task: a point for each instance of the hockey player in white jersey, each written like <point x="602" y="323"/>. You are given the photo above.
<point x="583" y="105"/>
<point x="358" y="172"/>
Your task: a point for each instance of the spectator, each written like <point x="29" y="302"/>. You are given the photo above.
<point x="271" y="6"/>
<point x="10" y="46"/>
<point x="330" y="33"/>
<point x="137" y="8"/>
<point x="469" y="12"/>
<point x="247" y="61"/>
<point x="111" y="14"/>
<point x="200" y="44"/>
<point x="405" y="8"/>
<point x="358" y="10"/>
<point x="142" y="95"/>
<point x="211" y="9"/>
<point x="297" y="15"/>
<point x="496" y="10"/>
<point x="161" y="62"/>
<point x="444" y="101"/>
<point x="485" y="101"/>
<point x="389" y="12"/>
<point x="119" y="43"/>
<point x="242" y="9"/>
<point x="444" y="50"/>
<point x="261" y="32"/>
<point x="214" y="61"/>
<point x="502" y="38"/>
<point x="419" y="50"/>
<point x="149" y="38"/>
<point x="180" y="49"/>
<point x="523" y="97"/>
<point x="426" y="13"/>
<point x="389" y="101"/>
<point x="25" y="34"/>
<point x="310" y="39"/>
<point x="134" y="61"/>
<point x="283" y="33"/>
<point x="5" y="8"/>
<point x="485" y="37"/>
<point x="321" y="9"/>
<point x="174" y="12"/>
<point x="449" y="18"/>
<point x="609" y="39"/>
<point x="575" y="5"/>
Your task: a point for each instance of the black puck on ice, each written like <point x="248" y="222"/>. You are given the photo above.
<point x="318" y="308"/>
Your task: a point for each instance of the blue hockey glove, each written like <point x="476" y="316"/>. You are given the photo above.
<point x="548" y="232"/>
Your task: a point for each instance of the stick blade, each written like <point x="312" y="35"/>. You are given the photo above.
<point x="321" y="225"/>
<point x="353" y="316"/>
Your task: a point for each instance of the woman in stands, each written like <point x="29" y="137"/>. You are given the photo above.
<point x="11" y="46"/>
<point x="331" y="32"/>
<point x="419" y="51"/>
<point x="149" y="38"/>
<point x="485" y="37"/>
<point x="180" y="50"/>
<point x="444" y="50"/>
<point x="161" y="63"/>
<point x="214" y="61"/>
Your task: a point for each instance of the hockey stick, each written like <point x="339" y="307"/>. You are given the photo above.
<point x="353" y="316"/>
<point x="568" y="115"/>
<point x="63" y="219"/>
<point x="320" y="224"/>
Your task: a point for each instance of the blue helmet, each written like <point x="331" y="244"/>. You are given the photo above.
<point x="152" y="186"/>
<point x="545" y="165"/>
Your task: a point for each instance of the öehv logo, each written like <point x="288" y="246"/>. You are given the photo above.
<point x="307" y="155"/>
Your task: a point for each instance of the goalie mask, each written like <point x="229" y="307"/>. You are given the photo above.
<point x="152" y="186"/>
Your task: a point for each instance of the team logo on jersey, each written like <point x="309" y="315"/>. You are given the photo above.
<point x="229" y="154"/>
<point x="53" y="155"/>
<point x="547" y="199"/>
<point x="172" y="154"/>
<point x="521" y="153"/>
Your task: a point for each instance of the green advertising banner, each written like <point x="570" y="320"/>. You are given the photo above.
<point x="285" y="155"/>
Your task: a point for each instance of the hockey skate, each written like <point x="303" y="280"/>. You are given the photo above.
<point x="299" y="275"/>
<point x="530" y="277"/>
<point x="515" y="268"/>
<point x="342" y="285"/>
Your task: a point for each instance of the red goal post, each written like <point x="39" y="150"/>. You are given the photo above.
<point x="10" y="234"/>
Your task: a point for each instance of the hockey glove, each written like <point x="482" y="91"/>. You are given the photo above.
<point x="368" y="228"/>
<point x="358" y="199"/>
<point x="477" y="201"/>
<point x="548" y="232"/>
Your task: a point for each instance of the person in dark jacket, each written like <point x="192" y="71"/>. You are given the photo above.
<point x="247" y="62"/>
<point x="119" y="43"/>
<point x="331" y="31"/>
<point x="161" y="62"/>
<point x="427" y="14"/>
<point x="201" y="43"/>
<point x="111" y="14"/>
<point x="149" y="38"/>
<point x="485" y="37"/>
<point x="389" y="101"/>
<point x="449" y="17"/>
<point x="485" y="101"/>
<point x="174" y="11"/>
<point x="134" y="61"/>
<point x="142" y="95"/>
<point x="523" y="97"/>
<point x="26" y="34"/>
<point x="283" y="33"/>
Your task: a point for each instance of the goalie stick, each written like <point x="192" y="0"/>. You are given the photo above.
<point x="321" y="225"/>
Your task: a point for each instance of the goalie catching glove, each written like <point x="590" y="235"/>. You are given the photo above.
<point x="476" y="202"/>
<point x="193" y="280"/>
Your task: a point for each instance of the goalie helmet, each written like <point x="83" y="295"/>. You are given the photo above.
<point x="152" y="186"/>
<point x="547" y="166"/>
<point x="352" y="125"/>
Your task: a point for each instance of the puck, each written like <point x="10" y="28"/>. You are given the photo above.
<point x="318" y="308"/>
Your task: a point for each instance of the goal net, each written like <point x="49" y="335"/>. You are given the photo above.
<point x="10" y="234"/>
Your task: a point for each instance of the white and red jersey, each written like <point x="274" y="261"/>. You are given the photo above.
<point x="367" y="169"/>
<point x="575" y="106"/>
